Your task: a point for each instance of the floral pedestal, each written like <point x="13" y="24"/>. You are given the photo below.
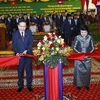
<point x="53" y="82"/>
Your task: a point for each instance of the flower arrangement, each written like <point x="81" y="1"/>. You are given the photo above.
<point x="2" y="25"/>
<point x="52" y="49"/>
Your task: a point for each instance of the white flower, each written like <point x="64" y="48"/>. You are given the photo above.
<point x="57" y="49"/>
<point x="38" y="47"/>
<point x="62" y="41"/>
<point x="59" y="36"/>
<point x="49" y="33"/>
<point x="58" y="40"/>
<point x="50" y="42"/>
<point x="52" y="48"/>
<point x="54" y="33"/>
<point x="56" y="37"/>
<point x="45" y="38"/>
<point x="39" y="44"/>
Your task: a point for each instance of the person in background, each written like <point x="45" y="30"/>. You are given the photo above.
<point x="67" y="30"/>
<point x="9" y="25"/>
<point x="22" y="41"/>
<point x="83" y="43"/>
<point x="33" y="27"/>
<point x="77" y="24"/>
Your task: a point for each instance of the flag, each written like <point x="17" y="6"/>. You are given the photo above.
<point x="95" y="1"/>
<point x="13" y="2"/>
<point x="82" y="3"/>
<point x="60" y="1"/>
<point x="87" y="3"/>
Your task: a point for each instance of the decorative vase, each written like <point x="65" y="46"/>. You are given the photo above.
<point x="53" y="82"/>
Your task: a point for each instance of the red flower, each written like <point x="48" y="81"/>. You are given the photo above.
<point x="53" y="39"/>
<point x="52" y="45"/>
<point x="41" y="42"/>
<point x="60" y="45"/>
<point x="65" y="44"/>
<point x="47" y="35"/>
<point x="53" y="35"/>
<point x="41" y="50"/>
<point x="48" y="38"/>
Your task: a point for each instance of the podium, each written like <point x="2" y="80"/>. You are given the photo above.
<point x="53" y="82"/>
<point x="2" y="39"/>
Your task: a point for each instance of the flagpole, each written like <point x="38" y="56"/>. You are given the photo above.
<point x="98" y="12"/>
<point x="87" y="3"/>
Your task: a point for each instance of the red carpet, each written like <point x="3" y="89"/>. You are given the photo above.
<point x="8" y="85"/>
<point x="68" y="90"/>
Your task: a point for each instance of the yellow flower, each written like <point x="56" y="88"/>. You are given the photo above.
<point x="46" y="46"/>
<point x="41" y="58"/>
<point x="43" y="48"/>
<point x="36" y="52"/>
<point x="67" y="51"/>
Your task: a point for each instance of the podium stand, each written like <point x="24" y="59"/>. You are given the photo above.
<point x="53" y="82"/>
<point x="2" y="39"/>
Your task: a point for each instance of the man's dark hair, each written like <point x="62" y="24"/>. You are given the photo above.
<point x="21" y="20"/>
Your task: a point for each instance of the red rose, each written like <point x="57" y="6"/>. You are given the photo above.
<point x="52" y="45"/>
<point x="53" y="35"/>
<point x="65" y="44"/>
<point x="41" y="50"/>
<point x="53" y="39"/>
<point x="47" y="35"/>
<point x="48" y="38"/>
<point x="42" y="42"/>
<point x="60" y="45"/>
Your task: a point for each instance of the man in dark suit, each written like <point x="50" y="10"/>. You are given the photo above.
<point x="77" y="25"/>
<point x="9" y="25"/>
<point x="67" y="29"/>
<point x="22" y="41"/>
<point x="58" y="23"/>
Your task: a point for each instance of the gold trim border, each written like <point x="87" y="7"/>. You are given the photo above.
<point x="6" y="52"/>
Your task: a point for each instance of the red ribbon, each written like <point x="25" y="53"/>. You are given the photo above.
<point x="9" y="61"/>
<point x="81" y="56"/>
<point x="14" y="60"/>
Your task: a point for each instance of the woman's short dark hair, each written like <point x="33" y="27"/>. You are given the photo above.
<point x="84" y="27"/>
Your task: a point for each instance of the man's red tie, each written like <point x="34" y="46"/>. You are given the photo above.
<point x="22" y="36"/>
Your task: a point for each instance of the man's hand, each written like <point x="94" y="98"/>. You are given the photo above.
<point x="25" y="52"/>
<point x="17" y="54"/>
<point x="86" y="56"/>
<point x="72" y="28"/>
